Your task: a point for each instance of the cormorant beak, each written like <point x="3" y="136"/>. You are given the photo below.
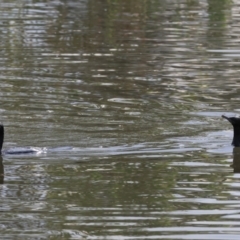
<point x="223" y="116"/>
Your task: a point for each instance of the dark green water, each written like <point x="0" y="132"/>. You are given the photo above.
<point x="132" y="93"/>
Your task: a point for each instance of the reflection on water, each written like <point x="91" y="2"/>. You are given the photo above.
<point x="236" y="160"/>
<point x="1" y="171"/>
<point x="125" y="99"/>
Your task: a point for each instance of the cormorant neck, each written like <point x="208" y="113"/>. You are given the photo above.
<point x="236" y="136"/>
<point x="235" y="121"/>
<point x="1" y="137"/>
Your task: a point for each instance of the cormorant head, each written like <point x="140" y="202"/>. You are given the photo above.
<point x="236" y="130"/>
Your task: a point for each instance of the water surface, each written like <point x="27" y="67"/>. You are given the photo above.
<point x="131" y="94"/>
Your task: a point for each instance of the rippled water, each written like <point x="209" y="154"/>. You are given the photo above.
<point x="123" y="100"/>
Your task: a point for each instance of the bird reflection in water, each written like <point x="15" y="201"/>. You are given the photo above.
<point x="236" y="160"/>
<point x="1" y="171"/>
